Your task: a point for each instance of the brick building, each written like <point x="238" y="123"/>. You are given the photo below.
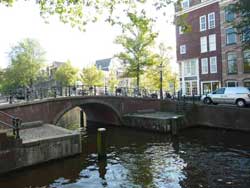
<point x="210" y="54"/>
<point x="235" y="60"/>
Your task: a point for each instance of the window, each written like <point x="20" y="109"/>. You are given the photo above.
<point x="229" y="14"/>
<point x="203" y="41"/>
<point x="190" y="68"/>
<point x="246" y="34"/>
<point x="194" y="88"/>
<point x="180" y="30"/>
<point x="232" y="63"/>
<point x="219" y="91"/>
<point x="208" y="87"/>
<point x="188" y="88"/>
<point x="203" y="23"/>
<point x="211" y="20"/>
<point x="185" y="4"/>
<point x="247" y="83"/>
<point x="182" y="49"/>
<point x="191" y="88"/>
<point x="231" y="36"/>
<point x="204" y="66"/>
<point x="232" y="83"/>
<point x="213" y="64"/>
<point x="246" y="61"/>
<point x="212" y="42"/>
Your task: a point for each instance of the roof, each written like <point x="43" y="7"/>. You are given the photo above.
<point x="103" y="64"/>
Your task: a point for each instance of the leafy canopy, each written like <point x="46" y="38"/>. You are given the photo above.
<point x="91" y="76"/>
<point x="66" y="74"/>
<point x="151" y="77"/>
<point x="242" y="8"/>
<point x="136" y="40"/>
<point x="80" y="12"/>
<point x="26" y="60"/>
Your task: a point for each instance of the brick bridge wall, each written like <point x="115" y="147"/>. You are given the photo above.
<point x="100" y="108"/>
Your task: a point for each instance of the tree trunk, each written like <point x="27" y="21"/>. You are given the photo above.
<point x="138" y="76"/>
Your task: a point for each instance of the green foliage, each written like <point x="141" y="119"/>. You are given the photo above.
<point x="242" y="8"/>
<point x="137" y="39"/>
<point x="26" y="58"/>
<point x="66" y="74"/>
<point x="151" y="77"/>
<point x="80" y="12"/>
<point x="112" y="80"/>
<point x="92" y="76"/>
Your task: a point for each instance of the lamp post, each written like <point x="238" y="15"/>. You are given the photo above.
<point x="161" y="91"/>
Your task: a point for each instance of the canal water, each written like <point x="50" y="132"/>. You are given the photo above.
<point x="137" y="159"/>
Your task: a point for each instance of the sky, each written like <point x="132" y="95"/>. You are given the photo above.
<point x="60" y="41"/>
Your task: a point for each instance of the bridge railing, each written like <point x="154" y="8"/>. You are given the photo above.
<point x="10" y="122"/>
<point x="77" y="90"/>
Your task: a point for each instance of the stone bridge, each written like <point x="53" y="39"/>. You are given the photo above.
<point x="105" y="109"/>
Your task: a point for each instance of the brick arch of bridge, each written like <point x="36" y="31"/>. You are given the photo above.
<point x="49" y="110"/>
<point x="95" y="111"/>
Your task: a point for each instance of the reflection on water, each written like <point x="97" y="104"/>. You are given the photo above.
<point x="137" y="159"/>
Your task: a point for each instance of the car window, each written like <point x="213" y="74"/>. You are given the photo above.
<point x="219" y="91"/>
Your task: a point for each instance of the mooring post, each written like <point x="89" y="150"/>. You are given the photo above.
<point x="101" y="143"/>
<point x="83" y="121"/>
<point x="174" y="126"/>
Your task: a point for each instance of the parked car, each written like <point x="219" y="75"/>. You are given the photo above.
<point x="228" y="95"/>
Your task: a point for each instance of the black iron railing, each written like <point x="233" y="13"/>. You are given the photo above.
<point x="14" y="125"/>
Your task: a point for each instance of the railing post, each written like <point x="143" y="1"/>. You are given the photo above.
<point x="69" y="91"/>
<point x="82" y="90"/>
<point x="55" y="92"/>
<point x="193" y="98"/>
<point x="14" y="125"/>
<point x="18" y="123"/>
<point x="105" y="90"/>
<point x="115" y="91"/>
<point x="94" y="90"/>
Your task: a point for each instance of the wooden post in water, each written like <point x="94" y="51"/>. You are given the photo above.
<point x="101" y="143"/>
<point x="83" y="121"/>
<point x="174" y="126"/>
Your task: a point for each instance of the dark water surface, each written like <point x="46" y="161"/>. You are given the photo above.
<point x="137" y="159"/>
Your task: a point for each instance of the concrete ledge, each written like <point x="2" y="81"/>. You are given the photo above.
<point x="32" y="124"/>
<point x="47" y="147"/>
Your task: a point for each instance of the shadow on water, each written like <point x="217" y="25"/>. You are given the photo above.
<point x="138" y="159"/>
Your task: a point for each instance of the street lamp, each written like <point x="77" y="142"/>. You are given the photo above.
<point x="161" y="72"/>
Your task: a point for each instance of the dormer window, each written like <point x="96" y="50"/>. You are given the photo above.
<point x="185" y="4"/>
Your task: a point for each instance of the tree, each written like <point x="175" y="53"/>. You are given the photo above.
<point x="26" y="58"/>
<point x="80" y="12"/>
<point x="92" y="76"/>
<point x="137" y="39"/>
<point x="112" y="80"/>
<point x="66" y="74"/>
<point x="242" y="8"/>
<point x="159" y="76"/>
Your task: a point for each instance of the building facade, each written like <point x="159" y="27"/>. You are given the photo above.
<point x="210" y="54"/>
<point x="235" y="60"/>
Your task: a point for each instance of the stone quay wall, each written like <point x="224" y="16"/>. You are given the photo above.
<point x="14" y="154"/>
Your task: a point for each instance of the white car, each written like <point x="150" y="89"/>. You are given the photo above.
<point x="228" y="95"/>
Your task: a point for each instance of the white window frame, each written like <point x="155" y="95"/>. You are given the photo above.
<point x="232" y="81"/>
<point x="203" y="26"/>
<point x="203" y="44"/>
<point x="213" y="64"/>
<point x="190" y="68"/>
<point x="211" y="20"/>
<point x="185" y="2"/>
<point x="204" y="66"/>
<point x="212" y="42"/>
<point x="183" y="49"/>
